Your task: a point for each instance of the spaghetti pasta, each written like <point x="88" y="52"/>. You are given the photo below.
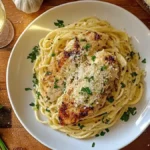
<point x="87" y="76"/>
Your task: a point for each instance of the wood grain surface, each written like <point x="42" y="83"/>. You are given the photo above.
<point x="16" y="137"/>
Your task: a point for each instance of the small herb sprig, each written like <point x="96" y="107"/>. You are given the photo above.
<point x="59" y="23"/>
<point x="33" y="55"/>
<point x="131" y="111"/>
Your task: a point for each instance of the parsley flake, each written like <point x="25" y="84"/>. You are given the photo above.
<point x="35" y="80"/>
<point x="80" y="126"/>
<point x="93" y="58"/>
<point x="97" y="135"/>
<point x="47" y="110"/>
<point x="110" y="99"/>
<point x="59" y="23"/>
<point x="122" y="85"/>
<point x="32" y="104"/>
<point x="107" y="130"/>
<point x="86" y="90"/>
<point x="132" y="54"/>
<point x="87" y="46"/>
<point x="53" y="54"/>
<point x="55" y="84"/>
<point x="89" y="78"/>
<point x="33" y="55"/>
<point x="134" y="74"/>
<point x="38" y="94"/>
<point x="28" y="89"/>
<point x="144" y="61"/>
<point x="93" y="144"/>
<point x="103" y="68"/>
<point x="102" y="133"/>
<point x="126" y="115"/>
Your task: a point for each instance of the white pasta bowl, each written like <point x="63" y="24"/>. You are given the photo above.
<point x="19" y="75"/>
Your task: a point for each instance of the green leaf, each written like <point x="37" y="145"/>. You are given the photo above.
<point x="47" y="110"/>
<point x="35" y="80"/>
<point x="144" y="61"/>
<point x="102" y="133"/>
<point x="93" y="58"/>
<point x="125" y="116"/>
<point x="89" y="78"/>
<point x="59" y="23"/>
<point x="86" y="90"/>
<point x="80" y="126"/>
<point x="33" y="55"/>
<point x="32" y="104"/>
<point x="134" y="74"/>
<point x="132" y="54"/>
<point x="53" y="54"/>
<point x="28" y="89"/>
<point x="55" y="84"/>
<point x="103" y="68"/>
<point x="93" y="144"/>
<point x="107" y="130"/>
<point x="97" y="135"/>
<point x="132" y="110"/>
<point x="87" y="46"/>
<point x="110" y="99"/>
<point x="122" y="85"/>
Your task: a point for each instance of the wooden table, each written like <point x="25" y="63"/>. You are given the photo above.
<point x="15" y="136"/>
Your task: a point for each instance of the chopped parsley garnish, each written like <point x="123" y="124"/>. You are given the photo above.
<point x="53" y="54"/>
<point x="97" y="135"/>
<point x="80" y="126"/>
<point x="132" y="110"/>
<point x="103" y="68"/>
<point x="144" y="61"/>
<point x="59" y="23"/>
<point x="83" y="40"/>
<point x="89" y="78"/>
<point x="47" y="110"/>
<point x="93" y="58"/>
<point x="28" y="89"/>
<point x="132" y="54"/>
<point x="134" y="74"/>
<point x="35" y="80"/>
<point x="122" y="85"/>
<point x="55" y="84"/>
<point x="87" y="46"/>
<point x="110" y="99"/>
<point x="133" y="80"/>
<point x="38" y="94"/>
<point x="93" y="144"/>
<point x="48" y="73"/>
<point x="107" y="130"/>
<point x="1" y="106"/>
<point x="32" y="104"/>
<point x="35" y="106"/>
<point x="102" y="133"/>
<point x="86" y="90"/>
<point x="34" y="54"/>
<point x="125" y="117"/>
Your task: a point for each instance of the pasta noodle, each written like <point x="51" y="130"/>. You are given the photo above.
<point x="65" y="52"/>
